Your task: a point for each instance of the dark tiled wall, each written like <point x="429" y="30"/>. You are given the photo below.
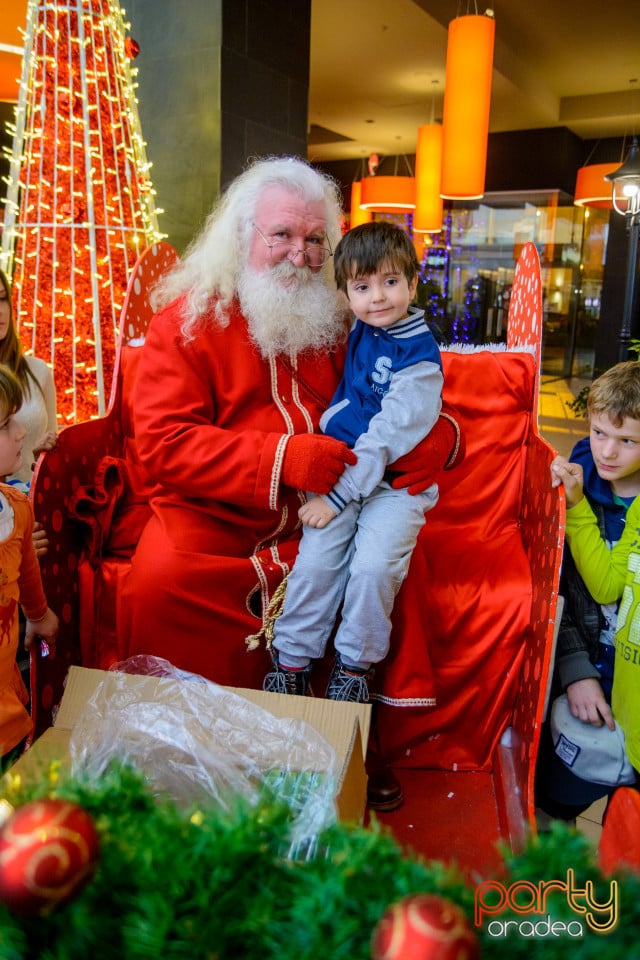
<point x="219" y="81"/>
<point x="543" y="159"/>
<point x="265" y="72"/>
<point x="179" y="105"/>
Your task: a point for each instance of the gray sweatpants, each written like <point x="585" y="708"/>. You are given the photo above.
<point x="361" y="556"/>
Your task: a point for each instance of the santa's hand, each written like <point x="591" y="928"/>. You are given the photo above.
<point x="313" y="462"/>
<point x="442" y="449"/>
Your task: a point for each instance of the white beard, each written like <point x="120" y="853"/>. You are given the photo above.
<point x="289" y="309"/>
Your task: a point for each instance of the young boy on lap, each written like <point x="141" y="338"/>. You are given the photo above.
<point x="358" y="539"/>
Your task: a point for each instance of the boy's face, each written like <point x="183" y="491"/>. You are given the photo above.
<point x="381" y="299"/>
<point x="616" y="452"/>
<point x="11" y="437"/>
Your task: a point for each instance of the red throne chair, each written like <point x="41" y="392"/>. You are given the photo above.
<point x="487" y="564"/>
<point x="90" y="495"/>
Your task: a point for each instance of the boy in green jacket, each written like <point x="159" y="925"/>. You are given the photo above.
<point x="610" y="573"/>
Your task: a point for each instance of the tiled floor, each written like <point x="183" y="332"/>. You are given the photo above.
<point x="561" y="428"/>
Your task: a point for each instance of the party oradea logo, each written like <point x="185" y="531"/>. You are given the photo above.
<point x="526" y="909"/>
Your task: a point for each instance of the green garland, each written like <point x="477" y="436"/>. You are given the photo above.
<point x="208" y="885"/>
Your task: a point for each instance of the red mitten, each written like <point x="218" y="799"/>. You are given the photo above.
<point x="313" y="462"/>
<point x="442" y="449"/>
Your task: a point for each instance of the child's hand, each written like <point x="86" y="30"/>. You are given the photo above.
<point x="40" y="539"/>
<point x="587" y="703"/>
<point x="571" y="476"/>
<point x="316" y="513"/>
<point x="47" y="442"/>
<point x="47" y="628"/>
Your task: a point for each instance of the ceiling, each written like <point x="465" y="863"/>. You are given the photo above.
<point x="378" y="67"/>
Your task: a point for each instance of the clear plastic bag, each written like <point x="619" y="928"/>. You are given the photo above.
<point x="197" y="741"/>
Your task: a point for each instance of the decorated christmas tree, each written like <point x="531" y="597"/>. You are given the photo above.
<point x="80" y="203"/>
<point x="107" y="870"/>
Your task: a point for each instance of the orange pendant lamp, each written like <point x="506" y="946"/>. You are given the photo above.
<point x="388" y="194"/>
<point x="467" y="100"/>
<point x="427" y="217"/>
<point x="592" y="190"/>
<point x="357" y="214"/>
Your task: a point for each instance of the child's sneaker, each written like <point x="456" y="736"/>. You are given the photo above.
<point x="348" y="683"/>
<point x="280" y="680"/>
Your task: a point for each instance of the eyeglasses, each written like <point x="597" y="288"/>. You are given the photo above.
<point x="315" y="254"/>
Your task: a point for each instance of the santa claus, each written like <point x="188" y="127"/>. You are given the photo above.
<point x="240" y="361"/>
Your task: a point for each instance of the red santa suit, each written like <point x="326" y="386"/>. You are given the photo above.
<point x="212" y="420"/>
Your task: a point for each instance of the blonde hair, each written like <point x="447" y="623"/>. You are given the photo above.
<point x="11" y="354"/>
<point x="10" y="392"/>
<point x="213" y="261"/>
<point x="617" y="393"/>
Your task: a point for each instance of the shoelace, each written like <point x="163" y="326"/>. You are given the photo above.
<point x="284" y="681"/>
<point x="351" y="687"/>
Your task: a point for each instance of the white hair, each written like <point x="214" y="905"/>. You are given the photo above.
<point x="302" y="314"/>
<point x="213" y="261"/>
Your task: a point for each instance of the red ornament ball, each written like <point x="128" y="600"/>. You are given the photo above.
<point x="424" y="927"/>
<point x="48" y="852"/>
<point x="131" y="48"/>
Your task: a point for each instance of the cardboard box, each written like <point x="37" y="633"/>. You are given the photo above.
<point x="344" y="725"/>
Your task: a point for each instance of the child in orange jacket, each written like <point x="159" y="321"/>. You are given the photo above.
<point x="20" y="580"/>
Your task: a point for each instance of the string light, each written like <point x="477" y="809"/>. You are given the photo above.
<point x="80" y="205"/>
